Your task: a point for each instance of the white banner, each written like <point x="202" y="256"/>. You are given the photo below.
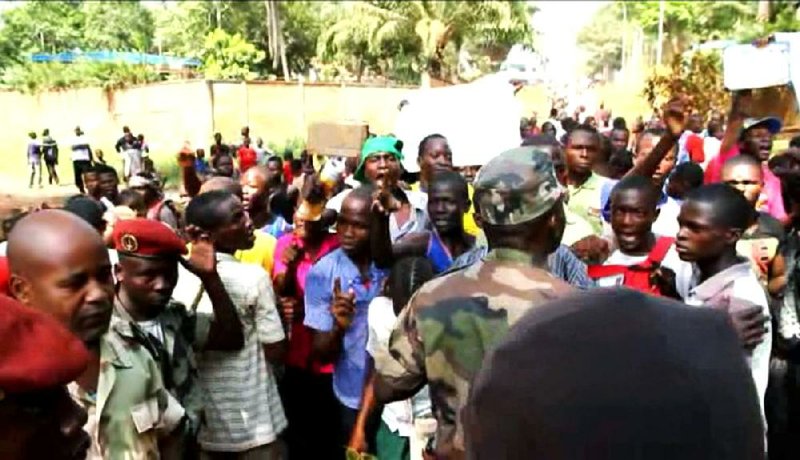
<point x="479" y="120"/>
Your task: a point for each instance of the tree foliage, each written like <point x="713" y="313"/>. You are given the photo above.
<point x="229" y="57"/>
<point x="602" y="39"/>
<point x="117" y="26"/>
<point x="434" y="30"/>
<point x="699" y="75"/>
<point x="395" y="40"/>
<point x="33" y="78"/>
<point x="685" y="24"/>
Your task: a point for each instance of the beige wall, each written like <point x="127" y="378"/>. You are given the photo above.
<point x="170" y="113"/>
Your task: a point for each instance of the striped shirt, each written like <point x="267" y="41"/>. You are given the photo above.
<point x="242" y="407"/>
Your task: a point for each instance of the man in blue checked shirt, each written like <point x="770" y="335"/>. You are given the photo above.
<point x="339" y="288"/>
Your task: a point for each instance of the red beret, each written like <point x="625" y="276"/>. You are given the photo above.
<point x="37" y="353"/>
<point x="146" y="238"/>
<point x="5" y="276"/>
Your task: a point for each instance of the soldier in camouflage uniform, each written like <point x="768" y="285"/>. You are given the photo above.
<point x="149" y="253"/>
<point x="442" y="335"/>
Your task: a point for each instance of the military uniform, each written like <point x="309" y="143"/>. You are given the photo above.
<point x="180" y="332"/>
<point x="451" y="322"/>
<point x="131" y="407"/>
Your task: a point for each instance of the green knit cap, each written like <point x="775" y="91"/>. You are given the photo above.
<point x="388" y="144"/>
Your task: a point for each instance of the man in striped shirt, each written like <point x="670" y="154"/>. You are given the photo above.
<point x="243" y="413"/>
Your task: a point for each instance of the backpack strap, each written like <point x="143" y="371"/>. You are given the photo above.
<point x="602" y="271"/>
<point x="659" y="251"/>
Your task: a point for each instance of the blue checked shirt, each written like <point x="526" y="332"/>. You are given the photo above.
<point x="562" y="264"/>
<point x="350" y="369"/>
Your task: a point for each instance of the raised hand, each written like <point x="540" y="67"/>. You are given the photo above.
<point x="203" y="259"/>
<point x="383" y="201"/>
<point x="675" y="113"/>
<point x="343" y="305"/>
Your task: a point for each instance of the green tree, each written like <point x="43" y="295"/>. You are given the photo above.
<point x="228" y="56"/>
<point x="123" y="26"/>
<point x="602" y="40"/>
<point x="182" y="27"/>
<point x="40" y="26"/>
<point x="685" y="24"/>
<point x="438" y="28"/>
<point x="698" y="75"/>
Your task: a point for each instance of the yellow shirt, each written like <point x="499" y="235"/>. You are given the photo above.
<point x="262" y="253"/>
<point x="469" y="222"/>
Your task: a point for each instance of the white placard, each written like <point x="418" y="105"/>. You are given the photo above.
<point x="479" y="120"/>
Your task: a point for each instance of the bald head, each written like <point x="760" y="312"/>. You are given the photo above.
<point x="222" y="183"/>
<point x="260" y="177"/>
<point x="55" y="230"/>
<point x="60" y="266"/>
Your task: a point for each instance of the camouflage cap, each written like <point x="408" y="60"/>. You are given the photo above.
<point x="516" y="186"/>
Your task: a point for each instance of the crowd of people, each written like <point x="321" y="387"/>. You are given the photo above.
<point x="597" y="292"/>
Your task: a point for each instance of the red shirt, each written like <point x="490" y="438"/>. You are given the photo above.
<point x="287" y="172"/>
<point x="300" y="342"/>
<point x="247" y="158"/>
<point x="771" y="200"/>
<point x="694" y="145"/>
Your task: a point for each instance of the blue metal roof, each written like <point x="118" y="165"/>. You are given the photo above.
<point x="117" y="56"/>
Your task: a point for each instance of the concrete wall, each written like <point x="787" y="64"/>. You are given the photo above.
<point x="170" y="113"/>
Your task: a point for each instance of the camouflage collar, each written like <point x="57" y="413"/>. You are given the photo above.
<point x="509" y="255"/>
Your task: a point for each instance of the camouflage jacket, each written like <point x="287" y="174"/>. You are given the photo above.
<point x="183" y="332"/>
<point x="131" y="409"/>
<point x="449" y="325"/>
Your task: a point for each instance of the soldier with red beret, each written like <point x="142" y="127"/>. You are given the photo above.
<point x="36" y="412"/>
<point x="149" y="254"/>
<point x="60" y="266"/>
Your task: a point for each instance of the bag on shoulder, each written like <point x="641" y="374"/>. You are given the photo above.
<point x="636" y="276"/>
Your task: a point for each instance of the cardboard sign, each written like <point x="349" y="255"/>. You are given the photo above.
<point x="337" y="139"/>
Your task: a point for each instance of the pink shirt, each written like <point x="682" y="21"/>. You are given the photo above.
<point x="771" y="200"/>
<point x="299" y="351"/>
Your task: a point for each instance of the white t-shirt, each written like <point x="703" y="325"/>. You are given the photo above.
<point x="80" y="148"/>
<point x="398" y="416"/>
<point x="153" y="328"/>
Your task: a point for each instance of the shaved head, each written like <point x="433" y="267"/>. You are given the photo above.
<point x="222" y="183"/>
<point x="59" y="264"/>
<point x="257" y="184"/>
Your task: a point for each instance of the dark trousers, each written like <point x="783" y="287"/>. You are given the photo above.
<point x="52" y="174"/>
<point x="313" y="415"/>
<point x="78" y="167"/>
<point x="347" y="420"/>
